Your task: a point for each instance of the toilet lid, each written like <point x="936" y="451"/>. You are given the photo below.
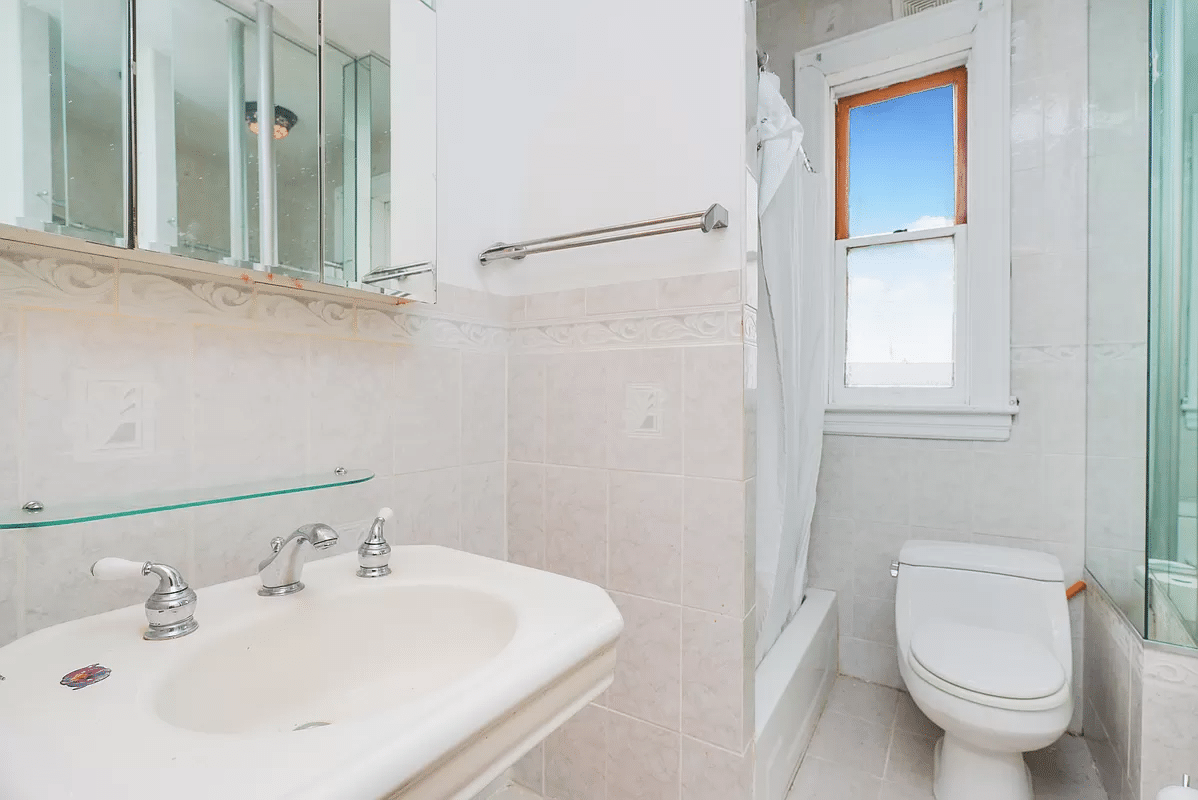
<point x="987" y="661"/>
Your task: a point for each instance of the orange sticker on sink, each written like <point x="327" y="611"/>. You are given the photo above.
<point x="85" y="677"/>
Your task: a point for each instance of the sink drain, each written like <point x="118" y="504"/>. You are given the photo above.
<point x="308" y="725"/>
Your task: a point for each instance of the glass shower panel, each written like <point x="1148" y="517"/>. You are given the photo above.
<point x="1169" y="574"/>
<point x="1116" y="366"/>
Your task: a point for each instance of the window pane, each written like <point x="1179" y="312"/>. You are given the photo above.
<point x="902" y="163"/>
<point x="901" y="310"/>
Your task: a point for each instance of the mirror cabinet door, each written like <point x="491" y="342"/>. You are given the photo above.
<point x="380" y="145"/>
<point x="210" y="184"/>
<point x="63" y="154"/>
<point x="336" y="182"/>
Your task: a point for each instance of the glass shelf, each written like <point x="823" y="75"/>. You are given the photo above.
<point x="170" y="499"/>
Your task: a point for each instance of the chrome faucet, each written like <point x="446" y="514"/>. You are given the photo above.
<point x="281" y="572"/>
<point x="170" y="610"/>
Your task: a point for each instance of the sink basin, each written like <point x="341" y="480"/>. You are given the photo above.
<point x="284" y="673"/>
<point x="424" y="685"/>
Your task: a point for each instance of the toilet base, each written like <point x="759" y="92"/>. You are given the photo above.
<point x="964" y="772"/>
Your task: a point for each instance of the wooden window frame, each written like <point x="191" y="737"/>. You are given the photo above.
<point x="958" y="78"/>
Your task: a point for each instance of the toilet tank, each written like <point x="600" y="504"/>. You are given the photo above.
<point x="1022" y="591"/>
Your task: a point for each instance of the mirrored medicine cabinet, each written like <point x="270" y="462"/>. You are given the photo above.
<point x="296" y="138"/>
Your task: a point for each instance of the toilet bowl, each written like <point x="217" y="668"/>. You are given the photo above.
<point x="985" y="650"/>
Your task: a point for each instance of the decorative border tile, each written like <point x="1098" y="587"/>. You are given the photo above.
<point x="652" y="329"/>
<point x="424" y="327"/>
<point x="180" y="295"/>
<point x="750" y="331"/>
<point x="284" y="311"/>
<point x="35" y="275"/>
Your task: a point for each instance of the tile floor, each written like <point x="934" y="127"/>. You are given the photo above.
<point x="512" y="792"/>
<point x="873" y="743"/>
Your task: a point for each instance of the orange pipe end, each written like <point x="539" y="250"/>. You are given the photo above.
<point x="1075" y="590"/>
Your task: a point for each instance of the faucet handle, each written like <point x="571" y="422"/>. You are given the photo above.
<point x="116" y="569"/>
<point x="375" y="553"/>
<point x="170" y="609"/>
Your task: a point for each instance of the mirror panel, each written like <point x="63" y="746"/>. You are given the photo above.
<point x="380" y="146"/>
<point x="200" y="81"/>
<point x="340" y="186"/>
<point x="63" y="155"/>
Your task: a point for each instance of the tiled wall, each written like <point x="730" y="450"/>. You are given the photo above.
<point x="238" y="383"/>
<point x="1114" y="690"/>
<point x="1141" y="705"/>
<point x="876" y="493"/>
<point x="653" y="502"/>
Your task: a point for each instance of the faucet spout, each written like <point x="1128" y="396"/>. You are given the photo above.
<point x="282" y="571"/>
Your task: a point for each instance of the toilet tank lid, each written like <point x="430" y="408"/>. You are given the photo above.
<point x="1018" y="563"/>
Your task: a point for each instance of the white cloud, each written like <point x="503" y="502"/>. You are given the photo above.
<point x="926" y="223"/>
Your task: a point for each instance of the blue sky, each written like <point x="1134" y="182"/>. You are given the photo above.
<point x="901" y="304"/>
<point x="901" y="164"/>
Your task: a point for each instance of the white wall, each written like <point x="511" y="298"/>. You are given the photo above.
<point x="876" y="493"/>
<point x="556" y="117"/>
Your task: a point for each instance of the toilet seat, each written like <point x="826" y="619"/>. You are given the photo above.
<point x="991" y="667"/>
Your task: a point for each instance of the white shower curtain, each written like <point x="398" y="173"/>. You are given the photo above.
<point x="792" y="378"/>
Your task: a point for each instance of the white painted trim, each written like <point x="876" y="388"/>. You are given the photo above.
<point x="949" y="422"/>
<point x="968" y="32"/>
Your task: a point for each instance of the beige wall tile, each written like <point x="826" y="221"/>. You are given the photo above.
<point x="429" y="512"/>
<point x="622" y="297"/>
<point x="711" y="289"/>
<point x="352" y="385"/>
<point x="642" y="760"/>
<point x="634" y="375"/>
<point x="645" y="549"/>
<point x="526" y="408"/>
<point x="526" y="514"/>
<point x="251" y="404"/>
<point x="576" y="523"/>
<point x="11" y="587"/>
<point x="714" y="411"/>
<point x="714" y="551"/>
<point x="712" y="678"/>
<point x="576" y="409"/>
<point x="647" y="677"/>
<point x="484" y="412"/>
<point x="10" y="389"/>
<point x="483" y="510"/>
<point x="576" y="757"/>
<point x="428" y="408"/>
<point x="1170" y="717"/>
<point x="569" y="304"/>
<point x="105" y="404"/>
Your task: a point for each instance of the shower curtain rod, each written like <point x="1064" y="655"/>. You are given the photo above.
<point x="713" y="218"/>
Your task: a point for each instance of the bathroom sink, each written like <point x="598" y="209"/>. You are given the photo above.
<point x="287" y="672"/>
<point x="423" y="685"/>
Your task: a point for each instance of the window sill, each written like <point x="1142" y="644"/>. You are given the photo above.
<point x="926" y="422"/>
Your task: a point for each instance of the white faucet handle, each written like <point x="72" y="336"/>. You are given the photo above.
<point x="386" y="513"/>
<point x="116" y="569"/>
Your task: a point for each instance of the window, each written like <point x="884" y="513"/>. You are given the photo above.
<point x="900" y="215"/>
<point x="911" y="122"/>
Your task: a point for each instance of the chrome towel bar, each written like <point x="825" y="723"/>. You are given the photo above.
<point x="713" y="218"/>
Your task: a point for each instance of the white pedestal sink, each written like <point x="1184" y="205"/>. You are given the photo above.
<point x="424" y="685"/>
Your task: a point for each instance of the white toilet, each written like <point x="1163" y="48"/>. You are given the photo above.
<point x="984" y="647"/>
